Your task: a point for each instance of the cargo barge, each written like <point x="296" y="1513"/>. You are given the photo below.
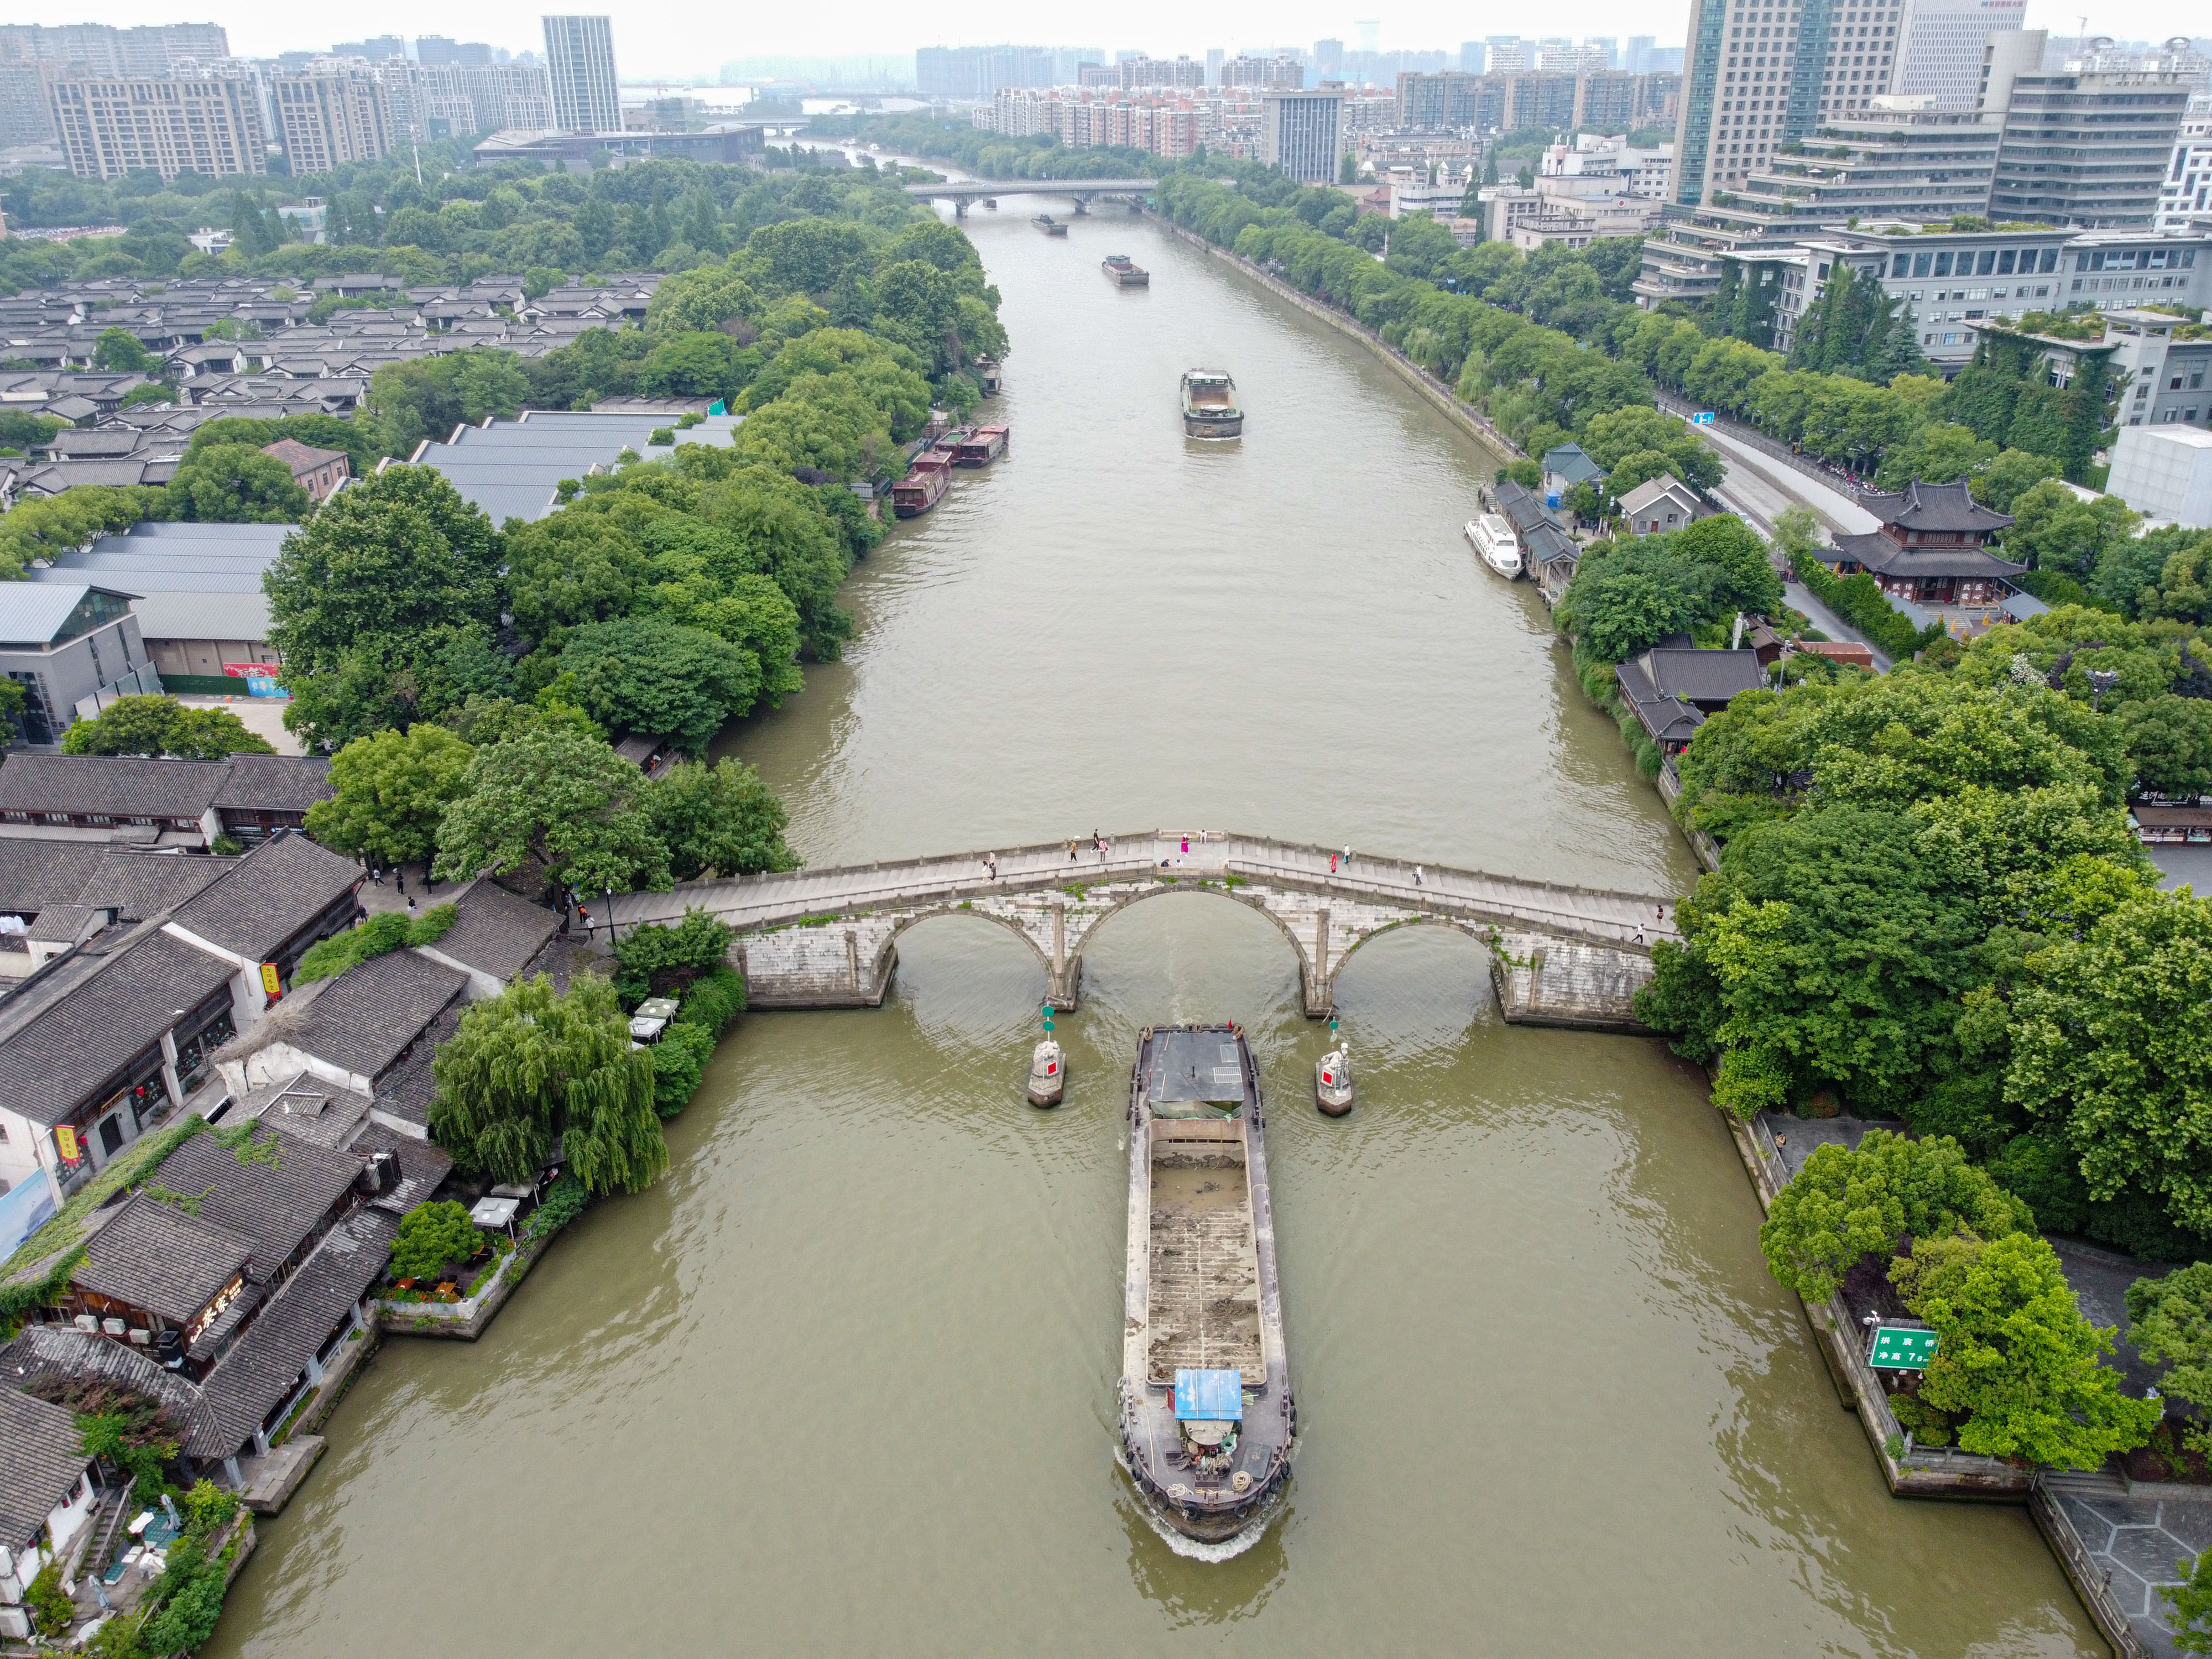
<point x="1209" y="405"/>
<point x="924" y="485"/>
<point x="1049" y="225"/>
<point x="1125" y="272"/>
<point x="1208" y="1419"/>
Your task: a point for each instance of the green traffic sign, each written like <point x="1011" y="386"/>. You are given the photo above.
<point x="1901" y="1348"/>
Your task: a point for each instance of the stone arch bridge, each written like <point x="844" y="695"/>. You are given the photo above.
<point x="828" y="938"/>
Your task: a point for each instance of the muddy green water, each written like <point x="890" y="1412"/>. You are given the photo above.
<point x="844" y="1383"/>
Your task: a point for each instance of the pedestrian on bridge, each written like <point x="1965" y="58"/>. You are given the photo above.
<point x="1185" y="843"/>
<point x="1417" y="875"/>
<point x="1071" y="849"/>
<point x="991" y="865"/>
<point x="1348" y="857"/>
<point x="1332" y="864"/>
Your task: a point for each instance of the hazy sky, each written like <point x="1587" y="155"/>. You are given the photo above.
<point x="690" y="40"/>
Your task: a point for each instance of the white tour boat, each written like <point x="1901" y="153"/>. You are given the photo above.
<point x="1494" y="539"/>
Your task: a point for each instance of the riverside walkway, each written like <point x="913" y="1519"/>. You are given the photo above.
<point x="826" y="938"/>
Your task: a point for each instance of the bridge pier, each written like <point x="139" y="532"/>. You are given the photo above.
<point x="1082" y="206"/>
<point x="1063" y="978"/>
<point x="960" y="207"/>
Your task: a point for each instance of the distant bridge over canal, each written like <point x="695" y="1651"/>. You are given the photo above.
<point x="1082" y="191"/>
<point x="828" y="938"/>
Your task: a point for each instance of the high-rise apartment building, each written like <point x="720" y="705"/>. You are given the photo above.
<point x="1939" y="47"/>
<point x="1214" y="56"/>
<point x="333" y="114"/>
<point x="379" y="49"/>
<point x="1328" y="58"/>
<point x="1637" y="58"/>
<point x="1302" y="133"/>
<point x="579" y="56"/>
<point x="112" y="126"/>
<point x="1437" y="103"/>
<point x="101" y="49"/>
<point x="1474" y="56"/>
<point x="1144" y="73"/>
<point x="978" y="72"/>
<point x="1272" y="73"/>
<point x="452" y="100"/>
<point x="1762" y="75"/>
<point x="434" y="51"/>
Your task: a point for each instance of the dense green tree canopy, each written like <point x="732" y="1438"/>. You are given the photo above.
<point x="663" y="679"/>
<point x="162" y="726"/>
<point x="557" y="800"/>
<point x="718" y="820"/>
<point x="392" y="787"/>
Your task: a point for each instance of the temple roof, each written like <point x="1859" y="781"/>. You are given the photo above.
<point x="1940" y="507"/>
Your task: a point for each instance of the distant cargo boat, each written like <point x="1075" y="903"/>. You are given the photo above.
<point x="992" y="203"/>
<point x="1049" y="225"/>
<point x="1493" y="538"/>
<point x="980" y="446"/>
<point x="1125" y="272"/>
<point x="923" y="487"/>
<point x="1208" y="1419"/>
<point x="1209" y="405"/>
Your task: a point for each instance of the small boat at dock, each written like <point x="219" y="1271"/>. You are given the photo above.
<point x="1491" y="536"/>
<point x="1209" y="405"/>
<point x="923" y="487"/>
<point x="1208" y="1419"/>
<point x="980" y="447"/>
<point x="1125" y="272"/>
<point x="1049" y="225"/>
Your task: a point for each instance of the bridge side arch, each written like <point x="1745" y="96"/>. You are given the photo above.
<point x="902" y="921"/>
<point x="1482" y="932"/>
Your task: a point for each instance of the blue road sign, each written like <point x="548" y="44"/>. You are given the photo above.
<point x="1703" y="418"/>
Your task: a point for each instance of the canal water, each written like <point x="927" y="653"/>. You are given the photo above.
<point x="844" y="1382"/>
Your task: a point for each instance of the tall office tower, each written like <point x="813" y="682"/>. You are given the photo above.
<point x="1762" y="75"/>
<point x="1328" y="56"/>
<point x="1474" y="56"/>
<point x="1939" y="47"/>
<point x="579" y="56"/>
<point x="1638" y="60"/>
<point x="1214" y="55"/>
<point x="333" y="114"/>
<point x="110" y="126"/>
<point x="2081" y="149"/>
<point x="1302" y="133"/>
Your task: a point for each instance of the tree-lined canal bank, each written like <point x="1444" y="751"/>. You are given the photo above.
<point x="844" y="1380"/>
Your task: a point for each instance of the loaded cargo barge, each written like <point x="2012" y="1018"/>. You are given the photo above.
<point x="1208" y="1419"/>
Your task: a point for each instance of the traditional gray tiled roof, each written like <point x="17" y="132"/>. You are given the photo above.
<point x="421" y="1167"/>
<point x="276" y="783"/>
<point x="496" y="932"/>
<point x="154" y="1255"/>
<point x="365" y="1018"/>
<point x="250" y="1381"/>
<point x="1876" y="552"/>
<point x="266" y="898"/>
<point x="404" y="1091"/>
<point x="1930" y="507"/>
<point x="38" y="875"/>
<point x="307" y="1106"/>
<point x="273" y="1204"/>
<point x="40" y="1464"/>
<point x="1668" y="719"/>
<point x="1702" y="675"/>
<point x="1571" y="462"/>
<point x="73" y="1026"/>
<point x="120" y="785"/>
<point x="63" y="1351"/>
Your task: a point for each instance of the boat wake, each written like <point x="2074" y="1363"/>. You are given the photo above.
<point x="1229" y="1549"/>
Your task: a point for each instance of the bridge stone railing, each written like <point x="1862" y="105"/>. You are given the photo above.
<point x="1560" y="954"/>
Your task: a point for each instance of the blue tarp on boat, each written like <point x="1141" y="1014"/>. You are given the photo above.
<point x="1209" y="1396"/>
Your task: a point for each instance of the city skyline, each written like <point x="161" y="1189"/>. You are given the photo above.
<point x="694" y="41"/>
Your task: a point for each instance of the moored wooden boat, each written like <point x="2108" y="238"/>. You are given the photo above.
<point x="1208" y="1418"/>
<point x="924" y="485"/>
<point x="980" y="447"/>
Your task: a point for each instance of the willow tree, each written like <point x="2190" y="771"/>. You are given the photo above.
<point x="532" y="1065"/>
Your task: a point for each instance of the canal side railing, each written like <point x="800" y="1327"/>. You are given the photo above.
<point x="2091" y="1583"/>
